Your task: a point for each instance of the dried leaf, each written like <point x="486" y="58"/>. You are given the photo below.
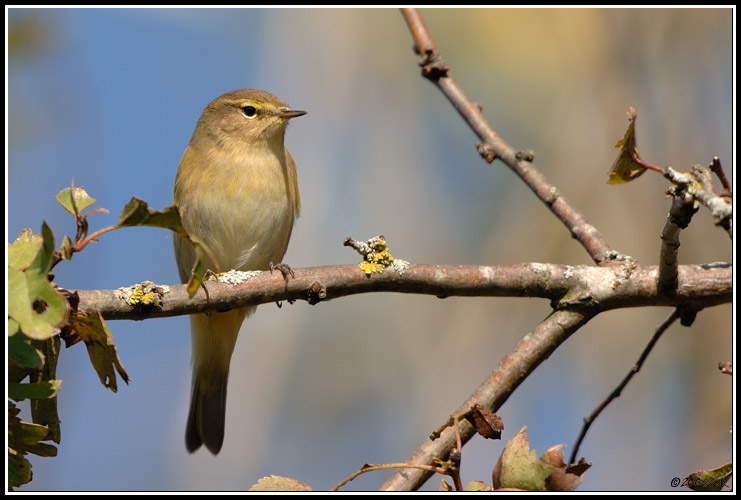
<point x="478" y="486"/>
<point x="444" y="486"/>
<point x="627" y="165"/>
<point x="278" y="483"/>
<point x="100" y="347"/>
<point x="560" y="480"/>
<point x="579" y="468"/>
<point x="486" y="423"/>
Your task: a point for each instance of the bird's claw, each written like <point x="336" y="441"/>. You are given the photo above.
<point x="285" y="270"/>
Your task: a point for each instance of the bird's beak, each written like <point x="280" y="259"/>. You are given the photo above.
<point x="288" y="113"/>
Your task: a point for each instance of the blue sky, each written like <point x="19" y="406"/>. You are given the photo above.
<point x="109" y="98"/>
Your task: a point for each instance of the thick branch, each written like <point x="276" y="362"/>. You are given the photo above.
<point x="494" y="146"/>
<point x="603" y="288"/>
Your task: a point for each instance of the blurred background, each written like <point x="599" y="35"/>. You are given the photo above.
<point x="110" y="97"/>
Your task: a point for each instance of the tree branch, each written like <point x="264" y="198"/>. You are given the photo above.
<point x="603" y="288"/>
<point x="681" y="212"/>
<point x="720" y="206"/>
<point x="533" y="349"/>
<point x="494" y="146"/>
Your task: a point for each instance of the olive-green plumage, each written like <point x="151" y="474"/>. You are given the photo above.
<point x="236" y="190"/>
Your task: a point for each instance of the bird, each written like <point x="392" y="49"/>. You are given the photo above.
<point x="236" y="190"/>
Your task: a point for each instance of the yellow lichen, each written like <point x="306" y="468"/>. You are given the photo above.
<point x="377" y="260"/>
<point x="145" y="293"/>
<point x="136" y="295"/>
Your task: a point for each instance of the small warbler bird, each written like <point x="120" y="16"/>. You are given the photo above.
<point x="236" y="190"/>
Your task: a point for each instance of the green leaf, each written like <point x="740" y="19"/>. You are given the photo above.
<point x="39" y="390"/>
<point x="26" y="438"/>
<point x="521" y="468"/>
<point x="74" y="200"/>
<point x="32" y="301"/>
<point x="627" y="166"/>
<point x="44" y="257"/>
<point x="19" y="469"/>
<point x="13" y="327"/>
<point x="24" y="249"/>
<point x="518" y="468"/>
<point x="100" y="347"/>
<point x="137" y="213"/>
<point x="65" y="249"/>
<point x="711" y="480"/>
<point x="21" y="353"/>
<point x="44" y="411"/>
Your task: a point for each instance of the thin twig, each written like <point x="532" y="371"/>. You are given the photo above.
<point x="588" y="421"/>
<point x="717" y="169"/>
<point x="80" y="245"/>
<point x="494" y="146"/>
<point x="373" y="467"/>
<point x="646" y="165"/>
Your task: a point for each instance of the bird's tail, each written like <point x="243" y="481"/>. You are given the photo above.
<point x="213" y="339"/>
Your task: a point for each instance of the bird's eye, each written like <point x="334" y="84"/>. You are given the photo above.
<point x="249" y="111"/>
